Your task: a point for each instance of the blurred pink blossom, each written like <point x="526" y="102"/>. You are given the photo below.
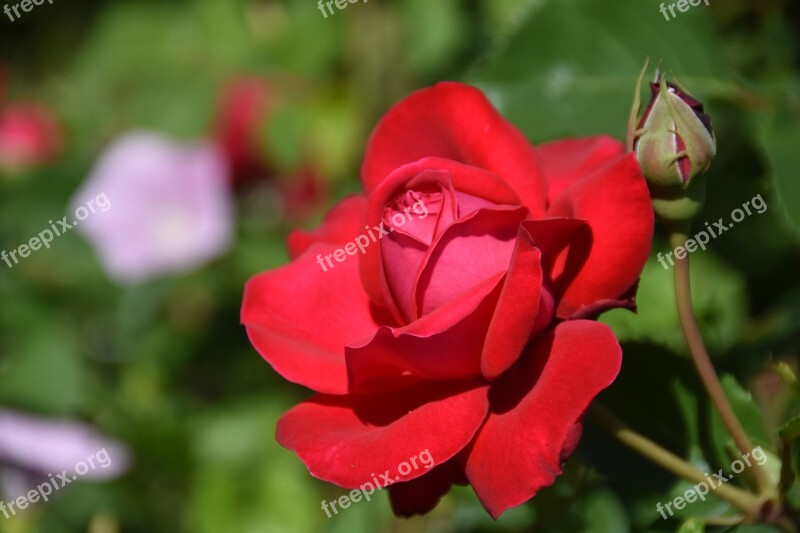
<point x="171" y="207"/>
<point x="34" y="447"/>
<point x="47" y="445"/>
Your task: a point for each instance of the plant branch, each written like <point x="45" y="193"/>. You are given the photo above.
<point x="744" y="500"/>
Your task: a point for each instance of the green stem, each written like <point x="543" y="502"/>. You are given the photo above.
<point x="683" y="299"/>
<point x="743" y="500"/>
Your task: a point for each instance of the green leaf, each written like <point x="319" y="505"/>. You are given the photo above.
<point x="297" y="38"/>
<point x="749" y="416"/>
<point x="790" y="432"/>
<point x="758" y="528"/>
<point x="790" y="456"/>
<point x="787" y="373"/>
<point x="720" y="307"/>
<point x="693" y="525"/>
<point x="244" y="481"/>
<point x="469" y="515"/>
<point x="656" y="394"/>
<point x="571" y="67"/>
<point x="283" y="133"/>
<point x="46" y="372"/>
<point x="155" y="66"/>
<point x="435" y="31"/>
<point x="780" y="138"/>
<point x="602" y="512"/>
<point x="706" y="506"/>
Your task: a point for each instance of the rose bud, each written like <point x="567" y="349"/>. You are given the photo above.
<point x="673" y="142"/>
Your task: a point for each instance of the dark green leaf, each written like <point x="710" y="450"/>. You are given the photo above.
<point x="546" y="81"/>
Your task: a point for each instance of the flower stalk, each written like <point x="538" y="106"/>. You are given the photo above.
<point x="705" y="369"/>
<point x="674" y="143"/>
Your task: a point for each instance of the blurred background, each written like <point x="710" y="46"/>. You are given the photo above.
<point x="242" y="119"/>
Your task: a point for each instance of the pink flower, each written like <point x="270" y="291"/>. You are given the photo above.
<point x="49" y="445"/>
<point x="34" y="447"/>
<point x="171" y="209"/>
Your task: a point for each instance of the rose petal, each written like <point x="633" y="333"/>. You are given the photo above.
<point x="522" y="309"/>
<point x="433" y="210"/>
<point x="403" y="252"/>
<point x="615" y="202"/>
<point x="404" y="256"/>
<point x="429" y="173"/>
<point x="452" y="263"/>
<point x="352" y="440"/>
<point x="421" y="495"/>
<point x="444" y="345"/>
<point x="454" y="121"/>
<point x="565" y="244"/>
<point x="569" y="160"/>
<point x="534" y="409"/>
<point x="342" y="224"/>
<point x="300" y="318"/>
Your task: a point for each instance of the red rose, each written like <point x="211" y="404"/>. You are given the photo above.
<point x="29" y="136"/>
<point x="462" y="329"/>
<point x="244" y="106"/>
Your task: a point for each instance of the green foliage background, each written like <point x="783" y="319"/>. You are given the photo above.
<point x="166" y="368"/>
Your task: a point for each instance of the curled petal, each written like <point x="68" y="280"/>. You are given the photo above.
<point x="616" y="204"/>
<point x="339" y="437"/>
<point x="535" y="406"/>
<point x="443" y="345"/>
<point x="299" y="322"/>
<point x="455" y="121"/>
<point x="421" y="495"/>
<point x="342" y="224"/>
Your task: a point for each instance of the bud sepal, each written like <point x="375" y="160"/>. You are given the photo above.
<point x="674" y="144"/>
